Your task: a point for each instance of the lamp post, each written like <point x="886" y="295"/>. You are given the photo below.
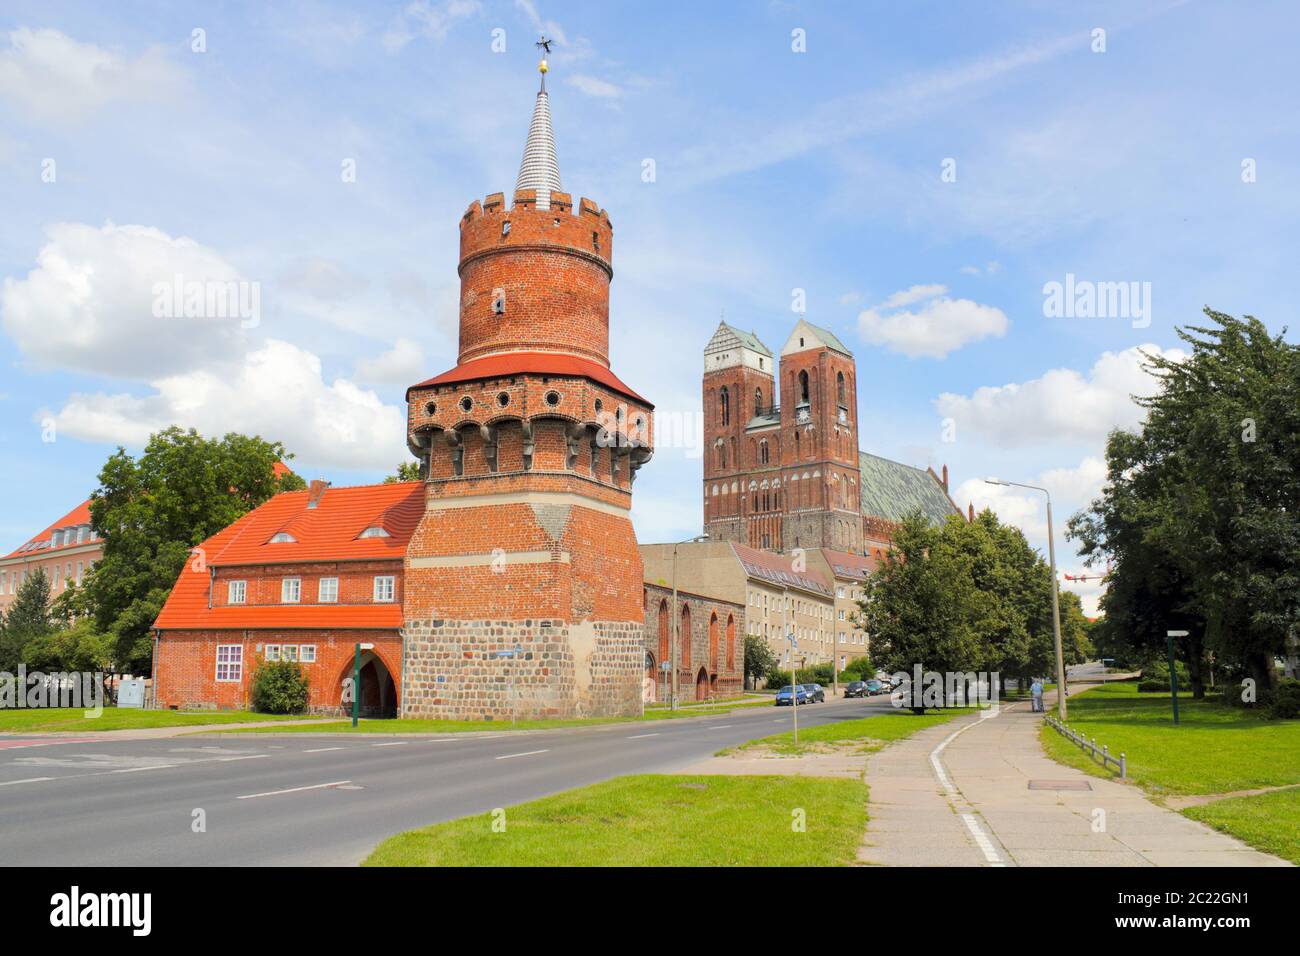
<point x="1173" y="671"/>
<point x="1056" y="606"/>
<point x="356" y="679"/>
<point x="677" y="618"/>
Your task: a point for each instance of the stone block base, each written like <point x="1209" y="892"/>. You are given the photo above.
<point x="567" y="670"/>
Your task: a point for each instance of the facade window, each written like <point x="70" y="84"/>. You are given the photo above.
<point x="307" y="653"/>
<point x="236" y="592"/>
<point x="272" y="652"/>
<point x="80" y="567"/>
<point x="290" y="590"/>
<point x="328" y="592"/>
<point x="81" y="534"/>
<point x="724" y="400"/>
<point x="385" y="588"/>
<point x="230" y="663"/>
<point x="803" y="388"/>
<point x="374" y="532"/>
<point x="289" y="652"/>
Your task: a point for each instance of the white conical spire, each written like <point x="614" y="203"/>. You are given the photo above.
<point x="539" y="169"/>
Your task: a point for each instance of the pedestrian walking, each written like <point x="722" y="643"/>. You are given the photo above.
<point x="1036" y="688"/>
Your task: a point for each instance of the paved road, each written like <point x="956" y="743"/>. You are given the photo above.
<point x="132" y="802"/>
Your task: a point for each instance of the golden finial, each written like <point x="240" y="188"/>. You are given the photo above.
<point x="543" y="67"/>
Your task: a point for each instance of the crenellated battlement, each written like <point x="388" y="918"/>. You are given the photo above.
<point x="581" y="229"/>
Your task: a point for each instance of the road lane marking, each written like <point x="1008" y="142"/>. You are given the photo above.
<point x="246" y="757"/>
<point x="157" y="766"/>
<point x="527" y="753"/>
<point x="642" y="736"/>
<point x="11" y="783"/>
<point x="276" y="793"/>
<point x="976" y="829"/>
<point x="321" y="750"/>
<point x="722" y="726"/>
<point x="391" y="743"/>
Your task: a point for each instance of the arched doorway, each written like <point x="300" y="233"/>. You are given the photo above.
<point x="702" y="685"/>
<point x="378" y="691"/>
<point x="649" y="683"/>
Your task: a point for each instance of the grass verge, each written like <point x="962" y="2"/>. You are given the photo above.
<point x="74" y="719"/>
<point x="1267" y="821"/>
<point x="653" y="820"/>
<point x="860" y="736"/>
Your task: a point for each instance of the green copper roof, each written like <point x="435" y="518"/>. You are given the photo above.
<point x="831" y="341"/>
<point x="749" y="340"/>
<point x="891" y="490"/>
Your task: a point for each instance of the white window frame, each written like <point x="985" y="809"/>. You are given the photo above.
<point x="289" y="652"/>
<point x="320" y="591"/>
<point x="233" y="662"/>
<point x="272" y="652"/>
<point x="307" y="653"/>
<point x="237" y="592"/>
<point x="389" y="584"/>
<point x="285" y="585"/>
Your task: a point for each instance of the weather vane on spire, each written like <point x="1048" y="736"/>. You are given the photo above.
<point x="545" y="46"/>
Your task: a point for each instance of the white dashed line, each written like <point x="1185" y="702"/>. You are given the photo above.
<point x="642" y="736"/>
<point x="721" y="726"/>
<point x="248" y="757"/>
<point x="526" y="753"/>
<point x="321" y="750"/>
<point x="276" y="793"/>
<point x="157" y="766"/>
<point x="12" y="783"/>
<point x="393" y="743"/>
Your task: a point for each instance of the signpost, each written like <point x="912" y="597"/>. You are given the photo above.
<point x="794" y="686"/>
<point x="1173" y="673"/>
<point x="356" y="679"/>
<point x="511" y="655"/>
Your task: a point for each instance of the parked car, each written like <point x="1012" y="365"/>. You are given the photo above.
<point x="816" y="693"/>
<point x="786" y="696"/>
<point x="875" y="687"/>
<point x="857" y="688"/>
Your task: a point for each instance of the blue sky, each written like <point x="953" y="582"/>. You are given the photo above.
<point x="775" y="170"/>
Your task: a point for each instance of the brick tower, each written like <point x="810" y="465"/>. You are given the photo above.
<point x="781" y="476"/>
<point x="529" y="447"/>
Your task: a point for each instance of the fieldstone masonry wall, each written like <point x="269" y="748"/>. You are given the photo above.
<point x="589" y="669"/>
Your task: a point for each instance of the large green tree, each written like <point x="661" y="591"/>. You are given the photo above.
<point x="1199" y="518"/>
<point x="152" y="511"/>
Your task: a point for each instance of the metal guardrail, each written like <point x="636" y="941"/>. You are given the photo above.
<point x="1091" y="747"/>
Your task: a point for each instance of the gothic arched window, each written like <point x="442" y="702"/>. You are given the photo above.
<point x="839" y="387"/>
<point x="803" y="387"/>
<point x="724" y="405"/>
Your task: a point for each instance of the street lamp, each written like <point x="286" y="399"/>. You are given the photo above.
<point x="677" y="618"/>
<point x="1056" y="606"/>
<point x="1173" y="671"/>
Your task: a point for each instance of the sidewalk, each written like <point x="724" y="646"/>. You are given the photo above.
<point x="971" y="804"/>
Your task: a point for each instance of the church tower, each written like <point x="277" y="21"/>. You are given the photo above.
<point x="524" y="571"/>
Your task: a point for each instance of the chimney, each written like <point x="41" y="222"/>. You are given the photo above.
<point x="315" y="490"/>
<point x="945" y="478"/>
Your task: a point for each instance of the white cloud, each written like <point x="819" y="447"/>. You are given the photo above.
<point x="322" y="278"/>
<point x="1062" y="405"/>
<point x="54" y="77"/>
<point x="429" y="20"/>
<point x="594" y="86"/>
<point x="403" y="364"/>
<point x="278" y="392"/>
<point x="940" y="326"/>
<point x="87" y="305"/>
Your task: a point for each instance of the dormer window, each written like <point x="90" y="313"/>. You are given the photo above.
<point x="374" y="532"/>
<point x="282" y="537"/>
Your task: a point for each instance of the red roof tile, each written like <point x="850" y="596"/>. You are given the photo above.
<point x="849" y="565"/>
<point x="77" y="516"/>
<point x="540" y="363"/>
<point x="779" y="569"/>
<point x="328" y="532"/>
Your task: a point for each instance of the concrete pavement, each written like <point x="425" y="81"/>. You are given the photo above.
<point x="980" y="791"/>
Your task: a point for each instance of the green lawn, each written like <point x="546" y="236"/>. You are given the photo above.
<point x="418" y="726"/>
<point x="73" y="719"/>
<point x="1214" y="749"/>
<point x="1268" y="821"/>
<point x="868" y="733"/>
<point x="654" y="820"/>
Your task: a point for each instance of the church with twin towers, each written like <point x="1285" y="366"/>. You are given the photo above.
<point x="782" y="465"/>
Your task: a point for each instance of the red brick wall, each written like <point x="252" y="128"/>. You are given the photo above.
<point x="263" y="582"/>
<point x="723" y="658"/>
<point x="187" y="665"/>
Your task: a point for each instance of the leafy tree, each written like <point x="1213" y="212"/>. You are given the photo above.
<point x="152" y="511"/>
<point x="27" y="620"/>
<point x="406" y="471"/>
<point x="80" y="647"/>
<point x="1199" y="518"/>
<point x="759" y="659"/>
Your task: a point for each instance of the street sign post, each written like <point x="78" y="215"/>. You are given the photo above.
<point x="1173" y="672"/>
<point x="356" y="679"/>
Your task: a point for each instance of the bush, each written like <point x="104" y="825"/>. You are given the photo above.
<point x="817" y="674"/>
<point x="1286" y="700"/>
<point x="279" y="687"/>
